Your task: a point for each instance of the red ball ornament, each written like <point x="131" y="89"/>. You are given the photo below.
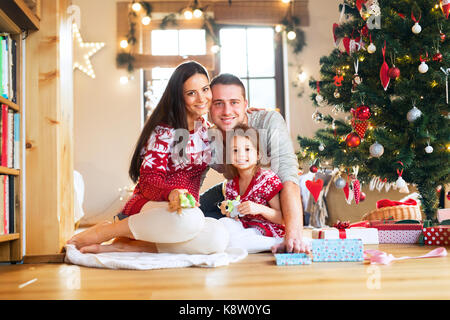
<point x="442" y="36"/>
<point x="362" y="113"/>
<point x="362" y="197"/>
<point x="394" y="73"/>
<point x="313" y="168"/>
<point x="353" y="140"/>
<point x="438" y="57"/>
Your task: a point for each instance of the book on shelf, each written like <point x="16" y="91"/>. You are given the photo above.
<point x="9" y="137"/>
<point x="8" y="55"/>
<point x="7" y="204"/>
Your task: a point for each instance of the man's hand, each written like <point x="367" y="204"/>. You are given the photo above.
<point x="250" y="110"/>
<point x="292" y="243"/>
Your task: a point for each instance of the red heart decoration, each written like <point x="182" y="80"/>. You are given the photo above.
<point x="314" y="187"/>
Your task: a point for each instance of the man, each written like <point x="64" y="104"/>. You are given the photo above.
<point x="229" y="108"/>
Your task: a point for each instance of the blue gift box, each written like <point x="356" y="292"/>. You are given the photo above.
<point x="337" y="250"/>
<point x="287" y="259"/>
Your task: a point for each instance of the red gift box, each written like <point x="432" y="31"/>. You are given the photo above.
<point x="436" y="236"/>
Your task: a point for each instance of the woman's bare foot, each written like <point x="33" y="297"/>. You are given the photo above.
<point x="121" y="244"/>
<point x="91" y="236"/>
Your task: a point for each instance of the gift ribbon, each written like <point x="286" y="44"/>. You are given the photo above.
<point x="381" y="257"/>
<point x="391" y="203"/>
<point x="342" y="226"/>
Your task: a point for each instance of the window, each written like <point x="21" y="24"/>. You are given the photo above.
<point x="251" y="54"/>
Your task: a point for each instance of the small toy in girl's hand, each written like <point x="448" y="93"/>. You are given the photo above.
<point x="187" y="200"/>
<point x="231" y="207"/>
<point x="289" y="259"/>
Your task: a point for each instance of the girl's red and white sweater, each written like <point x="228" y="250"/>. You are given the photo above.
<point x="169" y="164"/>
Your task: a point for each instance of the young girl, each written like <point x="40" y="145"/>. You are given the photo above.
<point x="169" y="159"/>
<point x="257" y="188"/>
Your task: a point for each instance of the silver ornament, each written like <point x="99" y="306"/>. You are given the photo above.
<point x="371" y="48"/>
<point x="317" y="116"/>
<point x="319" y="98"/>
<point x="340" y="183"/>
<point x="321" y="147"/>
<point x="413" y="114"/>
<point x="400" y="183"/>
<point x="376" y="150"/>
<point x="423" y="67"/>
<point x="428" y="149"/>
<point x="416" y="28"/>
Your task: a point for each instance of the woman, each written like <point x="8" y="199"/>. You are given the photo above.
<point x="169" y="159"/>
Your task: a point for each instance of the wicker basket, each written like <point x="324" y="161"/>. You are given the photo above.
<point x="401" y="212"/>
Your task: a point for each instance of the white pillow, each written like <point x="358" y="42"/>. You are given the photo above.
<point x="155" y="223"/>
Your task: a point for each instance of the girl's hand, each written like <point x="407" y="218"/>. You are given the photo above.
<point x="249" y="207"/>
<point x="174" y="199"/>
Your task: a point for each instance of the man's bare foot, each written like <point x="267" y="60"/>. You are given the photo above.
<point x="91" y="236"/>
<point x="121" y="244"/>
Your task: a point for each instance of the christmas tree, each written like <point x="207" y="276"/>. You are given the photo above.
<point x="388" y="79"/>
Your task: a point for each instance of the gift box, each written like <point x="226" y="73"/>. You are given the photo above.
<point x="443" y="214"/>
<point x="327" y="250"/>
<point x="367" y="235"/>
<point x="398" y="232"/>
<point x="436" y="236"/>
<point x="287" y="259"/>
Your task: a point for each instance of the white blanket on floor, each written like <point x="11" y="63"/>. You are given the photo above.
<point x="242" y="242"/>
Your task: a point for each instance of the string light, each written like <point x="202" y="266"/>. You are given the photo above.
<point x="188" y="14"/>
<point x="136" y="6"/>
<point x="278" y="28"/>
<point x="215" y="48"/>
<point x="198" y="13"/>
<point x="146" y="20"/>
<point x="291" y="35"/>
<point x="123" y="44"/>
<point x="83" y="52"/>
<point x="123" y="80"/>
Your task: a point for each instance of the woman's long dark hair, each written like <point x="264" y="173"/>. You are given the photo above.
<point x="171" y="110"/>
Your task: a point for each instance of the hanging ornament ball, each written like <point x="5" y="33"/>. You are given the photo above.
<point x="442" y="36"/>
<point x="321" y="147"/>
<point x="371" y="48"/>
<point x="317" y="116"/>
<point x="438" y="57"/>
<point x="416" y="28"/>
<point x="362" y="197"/>
<point x="336" y="94"/>
<point x="313" y="168"/>
<point x="319" y="98"/>
<point x="423" y="68"/>
<point x="340" y="183"/>
<point x="400" y="183"/>
<point x="428" y="149"/>
<point x="376" y="150"/>
<point x="353" y="140"/>
<point x="394" y="73"/>
<point x="413" y="114"/>
<point x="362" y="112"/>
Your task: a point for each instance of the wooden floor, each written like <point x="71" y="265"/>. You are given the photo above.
<point x="255" y="277"/>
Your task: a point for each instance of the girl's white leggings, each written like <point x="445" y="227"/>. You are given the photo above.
<point x="189" y="232"/>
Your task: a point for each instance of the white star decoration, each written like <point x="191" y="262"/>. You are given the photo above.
<point x="83" y="51"/>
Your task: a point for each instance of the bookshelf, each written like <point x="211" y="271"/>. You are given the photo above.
<point x="16" y="18"/>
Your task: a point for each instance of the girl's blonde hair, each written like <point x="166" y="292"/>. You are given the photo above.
<point x="242" y="130"/>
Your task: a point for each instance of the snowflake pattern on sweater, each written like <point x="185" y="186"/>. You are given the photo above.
<point x="168" y="163"/>
<point x="264" y="186"/>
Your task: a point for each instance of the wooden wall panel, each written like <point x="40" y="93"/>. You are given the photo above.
<point x="49" y="132"/>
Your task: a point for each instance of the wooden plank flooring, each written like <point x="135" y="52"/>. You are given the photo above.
<point x="256" y="277"/>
